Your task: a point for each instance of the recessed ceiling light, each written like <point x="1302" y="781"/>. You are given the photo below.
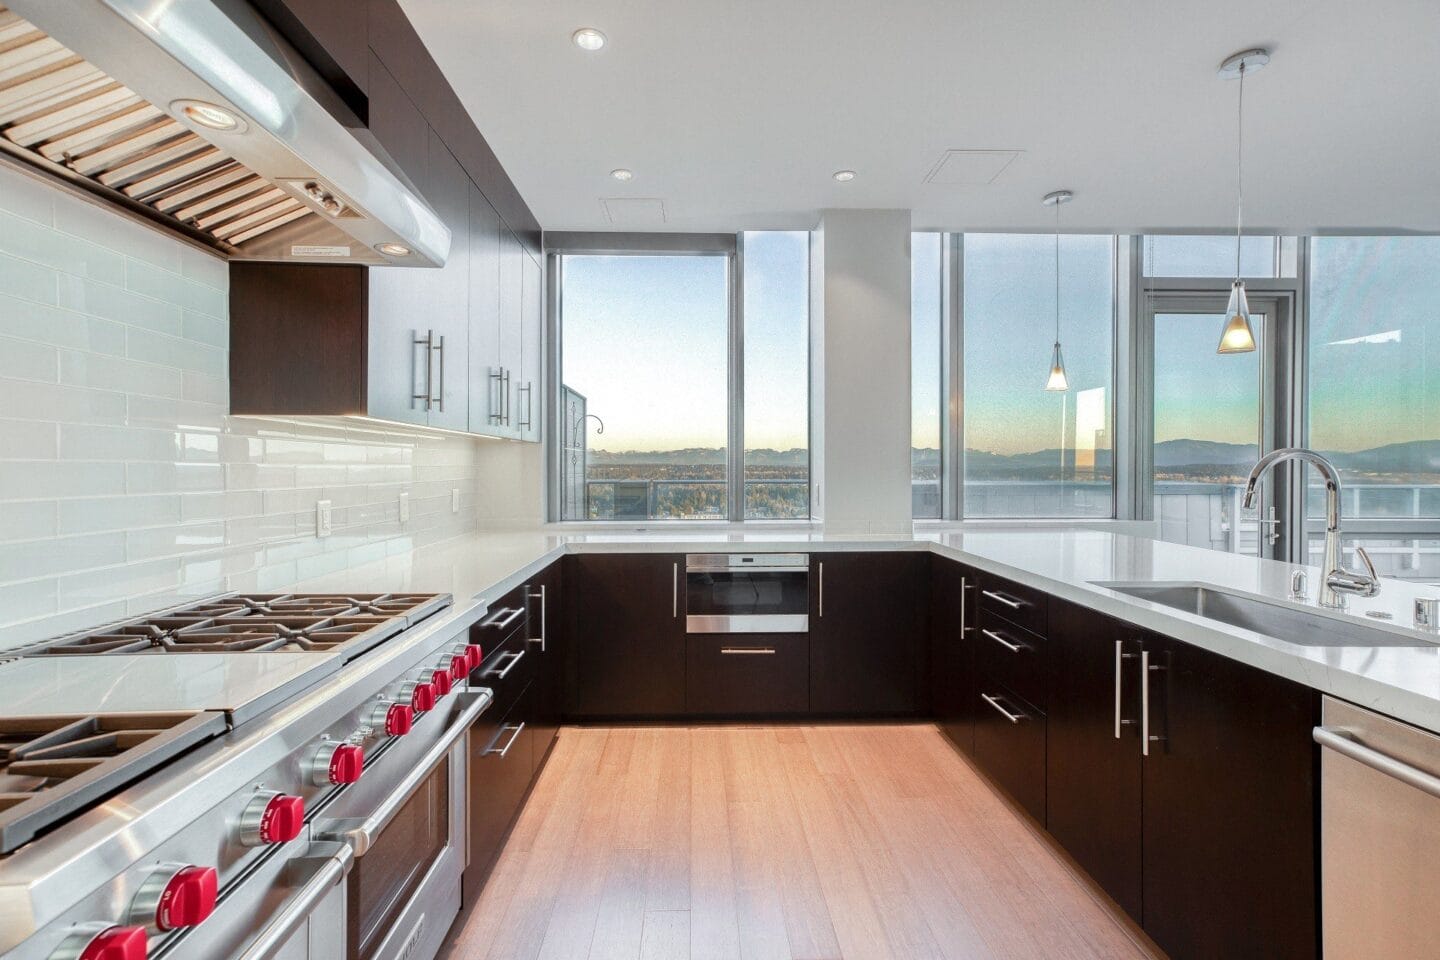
<point x="844" y="176"/>
<point x="393" y="249"/>
<point x="623" y="175"/>
<point x="588" y="38"/>
<point x="209" y="116"/>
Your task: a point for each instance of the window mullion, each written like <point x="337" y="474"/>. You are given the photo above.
<point x="735" y="445"/>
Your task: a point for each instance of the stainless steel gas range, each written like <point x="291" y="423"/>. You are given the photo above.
<point x="248" y="778"/>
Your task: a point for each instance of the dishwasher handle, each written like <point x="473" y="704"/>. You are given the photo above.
<point x="1344" y="743"/>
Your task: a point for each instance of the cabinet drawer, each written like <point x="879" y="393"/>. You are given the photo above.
<point x="1022" y="606"/>
<point x="506" y="619"/>
<point x="500" y="769"/>
<point x="747" y="674"/>
<point x="507" y="670"/>
<point x="1010" y="745"/>
<point x="1012" y="656"/>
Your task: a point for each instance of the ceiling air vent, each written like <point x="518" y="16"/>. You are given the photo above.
<point x="634" y="211"/>
<point x="971" y="168"/>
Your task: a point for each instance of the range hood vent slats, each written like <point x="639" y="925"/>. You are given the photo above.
<point x="62" y="111"/>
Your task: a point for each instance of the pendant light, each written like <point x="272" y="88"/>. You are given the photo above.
<point x="1237" y="335"/>
<point x="1057" y="382"/>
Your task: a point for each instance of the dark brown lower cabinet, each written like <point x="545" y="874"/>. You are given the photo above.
<point x="1010" y="746"/>
<point x="545" y="640"/>
<point x="952" y="656"/>
<point x="1229" y="863"/>
<point x="748" y="674"/>
<point x="625" y="632"/>
<point x="869" y="634"/>
<point x="501" y="764"/>
<point x="1093" y="761"/>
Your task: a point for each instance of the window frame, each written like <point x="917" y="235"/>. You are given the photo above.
<point x="732" y="247"/>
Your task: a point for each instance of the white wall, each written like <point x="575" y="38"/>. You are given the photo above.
<point x="863" y="350"/>
<point x="124" y="484"/>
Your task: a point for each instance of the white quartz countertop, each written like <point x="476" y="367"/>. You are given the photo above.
<point x="1402" y="681"/>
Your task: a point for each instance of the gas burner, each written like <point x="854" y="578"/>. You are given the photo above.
<point x="52" y="768"/>
<point x="258" y="623"/>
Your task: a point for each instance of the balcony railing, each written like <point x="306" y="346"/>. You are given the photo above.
<point x="693" y="499"/>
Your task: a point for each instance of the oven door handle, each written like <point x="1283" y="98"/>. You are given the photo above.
<point x="335" y="860"/>
<point x="362" y="834"/>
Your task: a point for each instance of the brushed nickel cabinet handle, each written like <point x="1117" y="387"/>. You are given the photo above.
<point x="1010" y="602"/>
<point x="821" y="606"/>
<point x="1343" y="743"/>
<point x="428" y="342"/>
<point x="440" y="395"/>
<point x="514" y="735"/>
<point x="497" y="412"/>
<point x="541" y="597"/>
<point x="500" y="674"/>
<point x="964" y="586"/>
<point x="1012" y="647"/>
<point x="1146" y="668"/>
<point x="1120" y="657"/>
<point x="504" y="617"/>
<point x="737" y="651"/>
<point x="995" y="702"/>
<point x="674" y="590"/>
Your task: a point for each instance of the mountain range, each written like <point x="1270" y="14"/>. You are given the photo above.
<point x="1414" y="457"/>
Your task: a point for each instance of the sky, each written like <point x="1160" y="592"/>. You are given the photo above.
<point x="645" y="341"/>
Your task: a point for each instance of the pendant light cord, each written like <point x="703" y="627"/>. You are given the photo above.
<point x="1239" y="166"/>
<point x="1057" y="272"/>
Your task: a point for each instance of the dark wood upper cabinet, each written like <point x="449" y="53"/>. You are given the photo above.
<point x="1093" y="772"/>
<point x="1229" y="809"/>
<point x="333" y="36"/>
<point x="625" y="635"/>
<point x="869" y="640"/>
<point x="397" y="125"/>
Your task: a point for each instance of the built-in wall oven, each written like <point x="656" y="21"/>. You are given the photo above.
<point x="747" y="593"/>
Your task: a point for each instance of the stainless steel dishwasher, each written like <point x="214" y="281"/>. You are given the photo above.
<point x="1379" y="836"/>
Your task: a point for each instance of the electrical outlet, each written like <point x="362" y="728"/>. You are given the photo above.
<point x="454" y="499"/>
<point x="404" y="508"/>
<point x="324" y="519"/>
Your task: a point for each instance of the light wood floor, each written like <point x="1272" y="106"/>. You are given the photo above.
<point x="853" y="842"/>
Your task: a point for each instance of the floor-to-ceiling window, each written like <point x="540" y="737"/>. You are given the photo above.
<point x="1028" y="451"/>
<point x="926" y="382"/>
<point x="1374" y="397"/>
<point x="777" y="374"/>
<point x="678" y="400"/>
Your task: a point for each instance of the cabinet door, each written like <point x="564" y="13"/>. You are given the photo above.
<point x="397" y="124"/>
<point x="486" y="409"/>
<point x="868" y="616"/>
<point x="628" y="642"/>
<point x="952" y="661"/>
<point x="1229" y="815"/>
<point x="332" y="35"/>
<point x="1093" y="750"/>
<point x="530" y="395"/>
<point x="448" y="191"/>
<point x="547" y="641"/>
<point x="512" y="322"/>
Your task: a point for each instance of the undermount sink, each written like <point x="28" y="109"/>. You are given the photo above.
<point x="1292" y="623"/>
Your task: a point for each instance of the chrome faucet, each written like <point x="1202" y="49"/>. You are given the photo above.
<point x="1335" y="579"/>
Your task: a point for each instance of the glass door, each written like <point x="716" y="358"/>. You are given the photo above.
<point x="1211" y="417"/>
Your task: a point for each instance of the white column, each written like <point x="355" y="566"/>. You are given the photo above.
<point x="860" y="371"/>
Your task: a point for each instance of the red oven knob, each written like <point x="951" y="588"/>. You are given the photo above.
<point x="394" y="718"/>
<point x="440" y="680"/>
<point x="176" y="895"/>
<point x="471" y="654"/>
<point x="271" y="818"/>
<point x="459" y="667"/>
<point x="102" y="941"/>
<point x="419" y="693"/>
<point x="337" y="762"/>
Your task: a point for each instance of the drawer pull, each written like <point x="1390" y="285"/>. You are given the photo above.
<point x="1012" y="647"/>
<point x="500" y="673"/>
<point x="1010" y="602"/>
<point x="514" y="735"/>
<point x="504" y="618"/>
<point x="995" y="702"/>
<point x="731" y="651"/>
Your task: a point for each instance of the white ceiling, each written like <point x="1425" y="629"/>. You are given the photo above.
<point x="736" y="112"/>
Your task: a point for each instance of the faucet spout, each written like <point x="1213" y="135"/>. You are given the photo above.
<point x="1336" y="579"/>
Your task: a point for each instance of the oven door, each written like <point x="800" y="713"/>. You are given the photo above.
<point x="403" y="891"/>
<point x="747" y="593"/>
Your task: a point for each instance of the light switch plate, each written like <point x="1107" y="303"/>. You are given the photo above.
<point x="454" y="499"/>
<point x="324" y="519"/>
<point x="405" y="508"/>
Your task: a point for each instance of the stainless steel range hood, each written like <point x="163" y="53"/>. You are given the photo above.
<point x="196" y="115"/>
